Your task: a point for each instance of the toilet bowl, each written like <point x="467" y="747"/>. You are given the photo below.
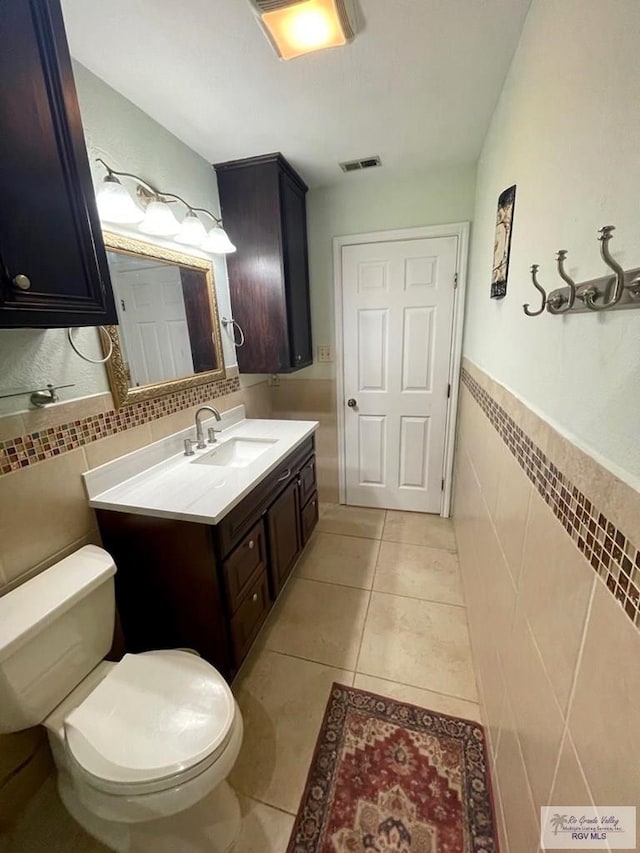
<point x="143" y="746"/>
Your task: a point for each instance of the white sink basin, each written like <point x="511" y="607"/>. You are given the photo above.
<point x="236" y="452"/>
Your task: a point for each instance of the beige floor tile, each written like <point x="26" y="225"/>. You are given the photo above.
<point x="352" y="521"/>
<point x="438" y="702"/>
<point x="420" y="643"/>
<point x="282" y="700"/>
<point x="419" y="572"/>
<point x="45" y="826"/>
<point x="416" y="528"/>
<point x="318" y="621"/>
<point x="264" y="829"/>
<point x="346" y="560"/>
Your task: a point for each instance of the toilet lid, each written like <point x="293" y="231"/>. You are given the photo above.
<point x="154" y="715"/>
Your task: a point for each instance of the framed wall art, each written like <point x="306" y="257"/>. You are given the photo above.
<point x="502" y="244"/>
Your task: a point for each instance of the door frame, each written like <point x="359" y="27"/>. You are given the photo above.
<point x="455" y="229"/>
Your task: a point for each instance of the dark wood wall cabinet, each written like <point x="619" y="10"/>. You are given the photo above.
<point x="53" y="265"/>
<point x="185" y="585"/>
<point x="264" y="211"/>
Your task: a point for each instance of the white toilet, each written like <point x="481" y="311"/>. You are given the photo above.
<point x="142" y="747"/>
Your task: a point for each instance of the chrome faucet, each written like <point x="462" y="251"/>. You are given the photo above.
<point x="199" y="432"/>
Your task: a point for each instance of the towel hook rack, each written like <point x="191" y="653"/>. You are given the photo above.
<point x="558" y="303"/>
<point x="538" y="287"/>
<point x="591" y="294"/>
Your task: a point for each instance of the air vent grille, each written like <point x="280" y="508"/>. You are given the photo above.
<point x="358" y="165"/>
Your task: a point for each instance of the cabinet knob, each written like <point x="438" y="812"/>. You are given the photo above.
<point x="252" y="544"/>
<point x="254" y="597"/>
<point x="298" y="358"/>
<point x="22" y="282"/>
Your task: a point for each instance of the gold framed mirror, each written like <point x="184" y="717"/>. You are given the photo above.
<point x="168" y="335"/>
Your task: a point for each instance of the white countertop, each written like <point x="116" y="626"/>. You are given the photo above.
<point x="159" y="481"/>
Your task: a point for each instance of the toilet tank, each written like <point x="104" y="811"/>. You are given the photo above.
<point x="54" y="629"/>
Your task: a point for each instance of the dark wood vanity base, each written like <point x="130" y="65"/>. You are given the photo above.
<point x="182" y="584"/>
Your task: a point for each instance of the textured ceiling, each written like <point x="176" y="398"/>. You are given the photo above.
<point x="417" y="86"/>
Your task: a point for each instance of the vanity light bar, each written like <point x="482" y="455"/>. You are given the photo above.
<point x="152" y="214"/>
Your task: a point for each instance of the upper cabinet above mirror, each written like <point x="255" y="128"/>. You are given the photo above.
<point x="53" y="266"/>
<point x="168" y="333"/>
<point x="264" y="207"/>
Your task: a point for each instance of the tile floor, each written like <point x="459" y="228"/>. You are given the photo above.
<point x="374" y="602"/>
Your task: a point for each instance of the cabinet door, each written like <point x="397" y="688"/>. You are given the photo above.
<point x="296" y="271"/>
<point x="50" y="238"/>
<point x="284" y="536"/>
<point x="250" y="207"/>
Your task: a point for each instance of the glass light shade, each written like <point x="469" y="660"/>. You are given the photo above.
<point x="159" y="220"/>
<point x="304" y="27"/>
<point x="218" y="243"/>
<point x="192" y="231"/>
<point x="115" y="204"/>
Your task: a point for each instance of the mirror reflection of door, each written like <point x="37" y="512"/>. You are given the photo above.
<point x="160" y="319"/>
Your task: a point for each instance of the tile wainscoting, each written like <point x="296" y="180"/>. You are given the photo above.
<point x="547" y="543"/>
<point x="45" y="515"/>
<point x="314" y="399"/>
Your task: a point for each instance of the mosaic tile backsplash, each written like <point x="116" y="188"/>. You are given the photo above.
<point x="17" y="453"/>
<point x="611" y="554"/>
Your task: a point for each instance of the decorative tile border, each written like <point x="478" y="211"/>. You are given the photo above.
<point x="611" y="554"/>
<point x="17" y="453"/>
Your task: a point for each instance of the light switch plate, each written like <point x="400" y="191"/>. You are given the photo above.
<point x="325" y="354"/>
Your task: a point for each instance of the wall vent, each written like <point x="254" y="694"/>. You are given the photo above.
<point x="358" y="165"/>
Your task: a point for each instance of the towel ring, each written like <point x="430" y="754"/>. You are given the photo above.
<point x="86" y="357"/>
<point x="238" y="342"/>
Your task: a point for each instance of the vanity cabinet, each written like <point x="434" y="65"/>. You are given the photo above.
<point x="53" y="265"/>
<point x="264" y="210"/>
<point x="210" y="588"/>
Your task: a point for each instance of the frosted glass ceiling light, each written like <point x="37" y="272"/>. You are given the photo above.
<point x="218" y="242"/>
<point x="159" y="220"/>
<point x="115" y="204"/>
<point x="296" y="27"/>
<point x="192" y="231"/>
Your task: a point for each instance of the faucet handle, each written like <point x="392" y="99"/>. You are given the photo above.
<point x="188" y="447"/>
<point x="212" y="435"/>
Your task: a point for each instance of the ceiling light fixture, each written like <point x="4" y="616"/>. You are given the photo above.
<point x="296" y="27"/>
<point x="116" y="205"/>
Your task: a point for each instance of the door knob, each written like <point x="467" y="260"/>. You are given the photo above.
<point x="352" y="403"/>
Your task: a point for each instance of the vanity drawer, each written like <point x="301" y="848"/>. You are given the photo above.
<point x="249" y="617"/>
<point x="240" y="568"/>
<point x="309" y="519"/>
<point x="307" y="480"/>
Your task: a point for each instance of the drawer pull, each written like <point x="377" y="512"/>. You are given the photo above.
<point x="313" y="503"/>
<point x="252" y="544"/>
<point x="284" y="476"/>
<point x="254" y="597"/>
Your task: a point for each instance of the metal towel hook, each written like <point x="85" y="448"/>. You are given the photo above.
<point x="558" y="303"/>
<point x="590" y="295"/>
<point x="538" y="287"/>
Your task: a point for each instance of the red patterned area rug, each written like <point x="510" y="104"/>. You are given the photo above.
<point x="388" y="777"/>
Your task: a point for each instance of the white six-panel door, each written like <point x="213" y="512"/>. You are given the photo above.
<point x="397" y="314"/>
